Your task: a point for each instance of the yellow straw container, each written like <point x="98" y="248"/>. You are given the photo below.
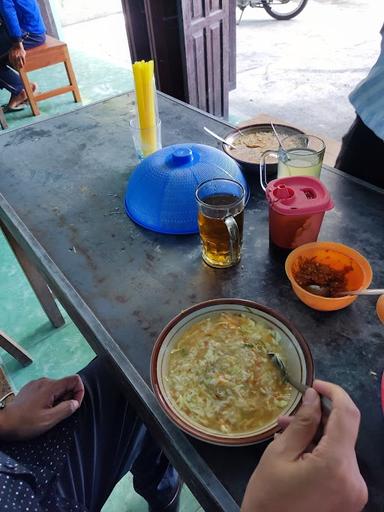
<point x="146" y="106"/>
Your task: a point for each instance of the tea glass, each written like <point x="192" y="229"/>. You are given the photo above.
<point x="221" y="205"/>
<point x="299" y="155"/>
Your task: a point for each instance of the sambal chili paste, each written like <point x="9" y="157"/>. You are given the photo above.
<point x="312" y="272"/>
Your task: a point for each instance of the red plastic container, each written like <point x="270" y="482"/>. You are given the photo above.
<point x="297" y="205"/>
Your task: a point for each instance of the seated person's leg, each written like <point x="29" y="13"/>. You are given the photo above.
<point x="5" y="42"/>
<point x="362" y="154"/>
<point x="109" y="441"/>
<point x="9" y="78"/>
<point x="33" y="40"/>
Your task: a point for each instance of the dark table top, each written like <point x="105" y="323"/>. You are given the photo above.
<point x="65" y="178"/>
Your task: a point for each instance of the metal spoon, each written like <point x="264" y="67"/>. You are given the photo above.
<point x="323" y="291"/>
<point x="326" y="403"/>
<point x="277" y="137"/>
<point x="219" y="138"/>
<point x="239" y="131"/>
<point x="281" y="145"/>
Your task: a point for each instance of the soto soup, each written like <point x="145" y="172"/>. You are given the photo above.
<point x="219" y="374"/>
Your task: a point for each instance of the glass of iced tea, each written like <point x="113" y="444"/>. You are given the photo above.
<point x="221" y="217"/>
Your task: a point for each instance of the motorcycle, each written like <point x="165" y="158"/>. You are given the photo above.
<point x="278" y="9"/>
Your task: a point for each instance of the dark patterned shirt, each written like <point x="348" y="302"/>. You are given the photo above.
<point x="29" y="471"/>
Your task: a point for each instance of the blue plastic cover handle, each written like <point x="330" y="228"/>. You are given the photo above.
<point x="182" y="156"/>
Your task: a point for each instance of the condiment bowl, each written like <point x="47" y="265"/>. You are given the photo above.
<point x="297" y="354"/>
<point x="380" y="308"/>
<point x="252" y="168"/>
<point x="337" y="256"/>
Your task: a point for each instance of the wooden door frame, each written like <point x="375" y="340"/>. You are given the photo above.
<point x="50" y="18"/>
<point x="151" y="30"/>
<point x="149" y="38"/>
<point x="137" y="29"/>
<point x="232" y="45"/>
<point x="206" y="49"/>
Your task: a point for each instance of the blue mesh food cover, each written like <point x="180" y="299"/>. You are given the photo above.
<point x="160" y="194"/>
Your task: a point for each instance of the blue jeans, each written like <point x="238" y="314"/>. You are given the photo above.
<point x="9" y="78"/>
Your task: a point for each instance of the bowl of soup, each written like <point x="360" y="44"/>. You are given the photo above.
<point x="213" y="375"/>
<point x="251" y="142"/>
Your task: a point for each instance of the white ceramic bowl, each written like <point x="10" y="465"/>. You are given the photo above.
<point x="299" y="363"/>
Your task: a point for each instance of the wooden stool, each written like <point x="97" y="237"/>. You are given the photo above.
<point x="3" y="122"/>
<point x="51" y="52"/>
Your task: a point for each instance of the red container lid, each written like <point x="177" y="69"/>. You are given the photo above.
<point x="298" y="195"/>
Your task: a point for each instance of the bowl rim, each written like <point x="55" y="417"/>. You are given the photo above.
<point x="324" y="243"/>
<point x="194" y="431"/>
<point x="226" y="149"/>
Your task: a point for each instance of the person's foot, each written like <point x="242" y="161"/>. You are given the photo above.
<point x="18" y="99"/>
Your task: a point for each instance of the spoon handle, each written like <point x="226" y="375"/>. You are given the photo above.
<point x="277" y="136"/>
<point x="370" y="291"/>
<point x="326" y="403"/>
<point x="213" y="134"/>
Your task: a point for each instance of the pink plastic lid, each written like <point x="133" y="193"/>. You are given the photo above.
<point x="298" y="195"/>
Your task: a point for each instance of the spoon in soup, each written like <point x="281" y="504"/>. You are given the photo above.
<point x="217" y="137"/>
<point x="281" y="145"/>
<point x="326" y="404"/>
<point x="232" y="146"/>
<point x="277" y="136"/>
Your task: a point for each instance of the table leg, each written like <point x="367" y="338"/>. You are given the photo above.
<point x="14" y="349"/>
<point x="39" y="286"/>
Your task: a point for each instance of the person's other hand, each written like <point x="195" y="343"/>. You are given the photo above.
<point x="17" y="56"/>
<point x="294" y="475"/>
<point x="39" y="406"/>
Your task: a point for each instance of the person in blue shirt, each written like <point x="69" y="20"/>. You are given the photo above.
<point x="21" y="28"/>
<point x="362" y="150"/>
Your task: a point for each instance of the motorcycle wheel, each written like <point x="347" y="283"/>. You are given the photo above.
<point x="285" y="10"/>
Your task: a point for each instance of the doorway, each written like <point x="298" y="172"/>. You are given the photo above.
<point x="95" y="33"/>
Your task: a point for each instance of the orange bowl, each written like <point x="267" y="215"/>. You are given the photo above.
<point x="336" y="256"/>
<point x="380" y="308"/>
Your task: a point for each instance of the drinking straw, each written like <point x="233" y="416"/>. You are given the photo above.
<point x="137" y="73"/>
<point x="146" y="104"/>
